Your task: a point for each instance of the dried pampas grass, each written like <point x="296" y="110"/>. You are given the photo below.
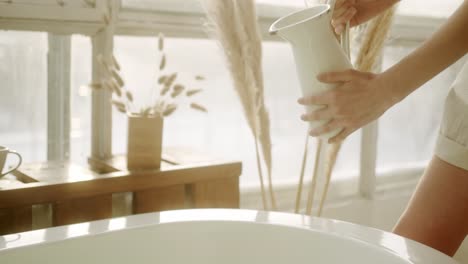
<point x="234" y="24"/>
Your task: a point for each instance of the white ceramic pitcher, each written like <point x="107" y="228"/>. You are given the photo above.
<point x="316" y="50"/>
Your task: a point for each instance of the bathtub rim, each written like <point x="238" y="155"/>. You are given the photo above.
<point x="407" y="249"/>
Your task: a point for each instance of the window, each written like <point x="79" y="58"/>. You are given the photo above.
<point x="80" y="131"/>
<point x="408" y="131"/>
<point x="23" y="93"/>
<point x="431" y="8"/>
<point x="223" y="131"/>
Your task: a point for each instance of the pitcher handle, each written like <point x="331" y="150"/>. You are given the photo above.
<point x="20" y="160"/>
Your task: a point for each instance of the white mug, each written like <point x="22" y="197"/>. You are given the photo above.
<point x="4" y="151"/>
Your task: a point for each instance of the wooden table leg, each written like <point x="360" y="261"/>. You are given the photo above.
<point x="82" y="210"/>
<point x="222" y="193"/>
<point x="15" y="220"/>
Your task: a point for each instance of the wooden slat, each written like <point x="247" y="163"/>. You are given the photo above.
<point x="223" y="193"/>
<point x="15" y="220"/>
<point x="57" y="27"/>
<point x="38" y="193"/>
<point x="160" y="199"/>
<point x="31" y="12"/>
<point x="82" y="210"/>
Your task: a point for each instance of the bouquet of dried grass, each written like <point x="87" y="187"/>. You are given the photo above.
<point x="234" y="25"/>
<point x="164" y="102"/>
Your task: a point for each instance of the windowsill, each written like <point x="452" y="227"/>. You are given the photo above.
<point x="396" y="181"/>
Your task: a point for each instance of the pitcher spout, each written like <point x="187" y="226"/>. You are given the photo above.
<point x="293" y="25"/>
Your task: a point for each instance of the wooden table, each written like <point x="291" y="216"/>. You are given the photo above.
<point x="186" y="180"/>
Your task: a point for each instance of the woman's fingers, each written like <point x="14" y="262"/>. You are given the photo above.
<point x="340" y="9"/>
<point x="329" y="127"/>
<point x="322" y="114"/>
<point x="320" y="99"/>
<point x="341" y="21"/>
<point x="340" y="3"/>
<point x="337" y="77"/>
<point x="342" y="135"/>
<point x="343" y="13"/>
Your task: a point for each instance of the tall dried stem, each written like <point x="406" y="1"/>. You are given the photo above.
<point x="301" y="178"/>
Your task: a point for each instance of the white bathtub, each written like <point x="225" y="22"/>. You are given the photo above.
<point x="214" y="237"/>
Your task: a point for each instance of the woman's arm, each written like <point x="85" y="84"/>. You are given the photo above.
<point x="363" y="97"/>
<point x="444" y="48"/>
<point x="437" y="214"/>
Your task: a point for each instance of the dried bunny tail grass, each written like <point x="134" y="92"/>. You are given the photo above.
<point x="200" y="78"/>
<point x="162" y="79"/>
<point x="193" y="92"/>
<point x="168" y="83"/>
<point x="161" y="42"/>
<point x="162" y="64"/>
<point x="129" y="96"/>
<point x="95" y="86"/>
<point x="371" y="48"/>
<point x="159" y="107"/>
<point x="114" y="87"/>
<point x="118" y="78"/>
<point x="169" y="109"/>
<point x="164" y="90"/>
<point x="171" y="79"/>
<point x="146" y="111"/>
<point x="198" y="107"/>
<point x="177" y="90"/>
<point x="120" y="106"/>
<point x="115" y="63"/>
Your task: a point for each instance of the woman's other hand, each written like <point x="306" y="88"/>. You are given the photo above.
<point x="359" y="98"/>
<point x="357" y="12"/>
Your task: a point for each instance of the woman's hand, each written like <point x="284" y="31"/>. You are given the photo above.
<point x="359" y="99"/>
<point x="357" y="12"/>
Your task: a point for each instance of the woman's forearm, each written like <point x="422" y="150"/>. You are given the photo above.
<point x="445" y="47"/>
